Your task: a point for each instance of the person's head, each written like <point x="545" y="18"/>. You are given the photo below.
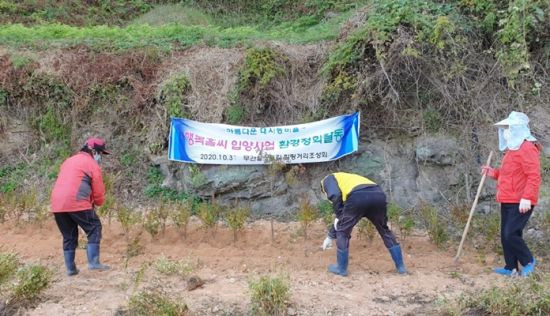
<point x="96" y="147"/>
<point x="513" y="130"/>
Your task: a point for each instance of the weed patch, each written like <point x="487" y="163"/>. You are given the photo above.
<point x="435" y="227"/>
<point x="529" y="296"/>
<point x="180" y="268"/>
<point x="269" y="295"/>
<point x="8" y="267"/>
<point x="155" y="302"/>
<point x="31" y="282"/>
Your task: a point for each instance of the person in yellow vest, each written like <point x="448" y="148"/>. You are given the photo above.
<point x="354" y="197"/>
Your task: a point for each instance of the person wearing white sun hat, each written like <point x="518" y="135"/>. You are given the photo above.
<point x="518" y="182"/>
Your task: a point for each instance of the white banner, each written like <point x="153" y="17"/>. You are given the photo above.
<point x="205" y="143"/>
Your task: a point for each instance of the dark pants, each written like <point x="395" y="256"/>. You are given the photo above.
<point x="68" y="225"/>
<point x="511" y="235"/>
<point x="368" y="202"/>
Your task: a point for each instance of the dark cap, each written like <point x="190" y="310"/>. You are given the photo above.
<point x="98" y="144"/>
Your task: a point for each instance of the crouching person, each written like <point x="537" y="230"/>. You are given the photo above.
<point x="78" y="188"/>
<point x="354" y="197"/>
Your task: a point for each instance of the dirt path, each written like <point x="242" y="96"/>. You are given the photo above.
<point x="372" y="288"/>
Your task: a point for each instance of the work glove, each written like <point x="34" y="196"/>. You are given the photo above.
<point x="335" y="223"/>
<point x="327" y="243"/>
<point x="524" y="205"/>
<point x="490" y="172"/>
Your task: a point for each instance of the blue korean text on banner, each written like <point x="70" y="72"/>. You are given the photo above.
<point x="207" y="143"/>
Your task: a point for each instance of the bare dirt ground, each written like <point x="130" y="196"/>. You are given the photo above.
<point x="372" y="288"/>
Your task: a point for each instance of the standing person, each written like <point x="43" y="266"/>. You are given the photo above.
<point x="78" y="189"/>
<point x="354" y="197"/>
<point x="518" y="182"/>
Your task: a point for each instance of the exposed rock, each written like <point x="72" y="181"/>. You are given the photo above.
<point x="439" y="150"/>
<point x="193" y="282"/>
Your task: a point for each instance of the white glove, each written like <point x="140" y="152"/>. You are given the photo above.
<point x="327" y="243"/>
<point x="335" y="223"/>
<point x="524" y="205"/>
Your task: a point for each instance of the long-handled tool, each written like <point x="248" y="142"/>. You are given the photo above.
<point x="473" y="208"/>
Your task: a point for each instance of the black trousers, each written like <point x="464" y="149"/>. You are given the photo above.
<point x="68" y="226"/>
<point x="368" y="202"/>
<point x="511" y="235"/>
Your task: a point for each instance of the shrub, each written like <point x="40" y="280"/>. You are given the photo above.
<point x="269" y="295"/>
<point x="173" y="95"/>
<point x="260" y="67"/>
<point x="31" y="281"/>
<point x="307" y="213"/>
<point x="155" y="302"/>
<point x="8" y="266"/>
<point x="171" y="267"/>
<point x="236" y="219"/>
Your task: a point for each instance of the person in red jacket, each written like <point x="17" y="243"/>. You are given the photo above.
<point x="518" y="182"/>
<point x="77" y="190"/>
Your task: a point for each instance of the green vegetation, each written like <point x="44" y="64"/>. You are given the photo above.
<point x="166" y="37"/>
<point x="155" y="302"/>
<point x="529" y="296"/>
<point x="269" y="295"/>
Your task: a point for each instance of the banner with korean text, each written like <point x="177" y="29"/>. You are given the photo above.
<point x="205" y="143"/>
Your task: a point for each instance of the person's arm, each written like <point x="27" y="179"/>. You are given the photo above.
<point x="98" y="188"/>
<point x="530" y="164"/>
<point x="334" y="195"/>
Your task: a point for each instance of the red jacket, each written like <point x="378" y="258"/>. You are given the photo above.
<point x="519" y="175"/>
<point x="79" y="185"/>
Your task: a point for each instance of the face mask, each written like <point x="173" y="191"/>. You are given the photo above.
<point x="97" y="157"/>
<point x="506" y="134"/>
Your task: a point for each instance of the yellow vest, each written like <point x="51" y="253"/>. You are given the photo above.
<point x="348" y="181"/>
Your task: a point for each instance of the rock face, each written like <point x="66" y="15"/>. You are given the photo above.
<point x="429" y="169"/>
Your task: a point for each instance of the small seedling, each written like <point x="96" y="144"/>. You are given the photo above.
<point x="236" y="219"/>
<point x="208" y="214"/>
<point x="435" y="227"/>
<point x="326" y="213"/>
<point x="307" y="213"/>
<point x="269" y="295"/>
<point x="152" y="224"/>
<point x="394" y="212"/>
<point x="406" y="225"/>
<point x="366" y="229"/>
<point x="181" y="213"/>
<point x="127" y="219"/>
<point x="163" y="211"/>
